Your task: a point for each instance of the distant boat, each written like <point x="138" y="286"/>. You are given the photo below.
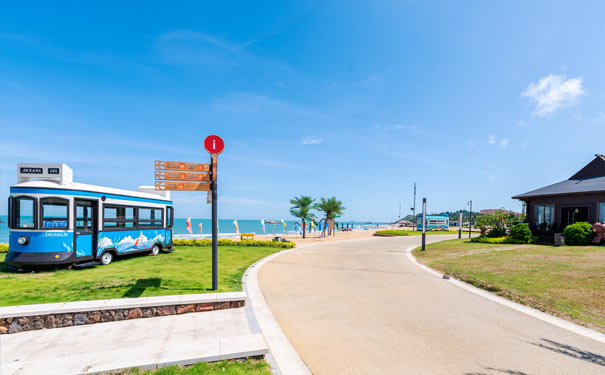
<point x="1" y="221"/>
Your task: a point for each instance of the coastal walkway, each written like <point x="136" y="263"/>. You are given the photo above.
<point x="146" y="343"/>
<point x="364" y="307"/>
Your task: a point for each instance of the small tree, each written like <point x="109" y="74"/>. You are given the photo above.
<point x="301" y="208"/>
<point x="331" y="207"/>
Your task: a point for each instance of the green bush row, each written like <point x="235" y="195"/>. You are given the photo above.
<point x="519" y="234"/>
<point x="393" y="232"/>
<point x="228" y="242"/>
<point x="3" y="248"/>
<point x="499" y="240"/>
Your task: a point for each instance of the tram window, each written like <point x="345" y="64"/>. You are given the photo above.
<point x="170" y="216"/>
<point x="84" y="215"/>
<point x="158" y="219"/>
<point x="24" y="211"/>
<point x="54" y="213"/>
<point x="145" y="219"/>
<point x="150" y="217"/>
<point x="119" y="216"/>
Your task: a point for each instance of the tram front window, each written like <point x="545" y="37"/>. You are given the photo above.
<point x="24" y="212"/>
<point x="54" y="213"/>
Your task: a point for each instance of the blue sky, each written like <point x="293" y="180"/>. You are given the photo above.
<point x="473" y="100"/>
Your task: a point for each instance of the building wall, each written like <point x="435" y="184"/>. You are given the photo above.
<point x="579" y="200"/>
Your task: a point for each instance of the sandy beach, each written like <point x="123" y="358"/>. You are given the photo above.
<point x="314" y="236"/>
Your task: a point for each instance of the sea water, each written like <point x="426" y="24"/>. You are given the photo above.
<point x="226" y="227"/>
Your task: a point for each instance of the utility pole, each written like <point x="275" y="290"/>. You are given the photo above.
<point x="470" y="219"/>
<point x="399" y="210"/>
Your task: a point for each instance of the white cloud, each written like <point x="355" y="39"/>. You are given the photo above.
<point x="553" y="92"/>
<point x="491" y="139"/>
<point x="390" y="126"/>
<point x="311" y="141"/>
<point x="504" y="143"/>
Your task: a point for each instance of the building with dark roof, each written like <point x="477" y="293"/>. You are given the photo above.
<point x="580" y="198"/>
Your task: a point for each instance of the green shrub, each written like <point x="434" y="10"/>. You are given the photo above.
<point x="496" y="232"/>
<point x="522" y="233"/>
<point x="227" y="242"/>
<point x="3" y="248"/>
<point x="578" y="234"/>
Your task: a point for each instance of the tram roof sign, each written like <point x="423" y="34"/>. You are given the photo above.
<point x="181" y="166"/>
<point x="182" y="186"/>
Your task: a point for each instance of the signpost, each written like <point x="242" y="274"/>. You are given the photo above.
<point x="182" y="176"/>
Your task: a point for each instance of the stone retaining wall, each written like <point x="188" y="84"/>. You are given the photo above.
<point x="28" y="323"/>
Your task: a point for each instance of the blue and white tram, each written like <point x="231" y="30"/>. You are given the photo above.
<point x="54" y="221"/>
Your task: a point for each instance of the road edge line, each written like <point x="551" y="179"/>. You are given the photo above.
<point x="561" y="323"/>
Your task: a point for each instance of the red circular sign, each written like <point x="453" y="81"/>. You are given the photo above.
<point x="214" y="144"/>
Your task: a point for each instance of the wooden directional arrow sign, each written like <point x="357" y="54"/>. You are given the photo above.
<point x="182" y="186"/>
<point x="180" y="166"/>
<point x="181" y="176"/>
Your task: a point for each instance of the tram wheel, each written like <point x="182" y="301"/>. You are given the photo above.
<point x="155" y="250"/>
<point x="106" y="258"/>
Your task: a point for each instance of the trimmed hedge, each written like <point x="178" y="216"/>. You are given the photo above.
<point x="393" y="232"/>
<point x="3" y="248"/>
<point x="228" y="242"/>
<point x="579" y="234"/>
<point x="499" y="240"/>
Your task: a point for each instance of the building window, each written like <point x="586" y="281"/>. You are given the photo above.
<point x="24" y="211"/>
<point x="602" y="213"/>
<point x="544" y="219"/>
<point x="54" y="213"/>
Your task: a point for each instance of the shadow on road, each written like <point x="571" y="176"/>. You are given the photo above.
<point x="571" y="351"/>
<point x="498" y="370"/>
<point x="139" y="287"/>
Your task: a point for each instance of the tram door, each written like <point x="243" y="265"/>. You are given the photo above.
<point x="85" y="227"/>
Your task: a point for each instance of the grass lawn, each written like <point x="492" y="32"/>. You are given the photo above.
<point x="398" y="232"/>
<point x="250" y="367"/>
<point x="187" y="270"/>
<point x="566" y="281"/>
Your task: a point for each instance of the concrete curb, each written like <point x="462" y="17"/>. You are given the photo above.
<point x="283" y="358"/>
<point x="118" y="303"/>
<point x="561" y="323"/>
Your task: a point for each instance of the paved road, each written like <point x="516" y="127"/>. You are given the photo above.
<point x="362" y="307"/>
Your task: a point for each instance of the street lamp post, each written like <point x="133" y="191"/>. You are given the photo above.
<point x="470" y="218"/>
<point x="460" y="225"/>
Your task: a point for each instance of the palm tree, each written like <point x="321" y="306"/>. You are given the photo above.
<point x="301" y="208"/>
<point x="331" y="207"/>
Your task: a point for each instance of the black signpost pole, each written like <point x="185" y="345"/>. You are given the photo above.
<point x="214" y="227"/>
